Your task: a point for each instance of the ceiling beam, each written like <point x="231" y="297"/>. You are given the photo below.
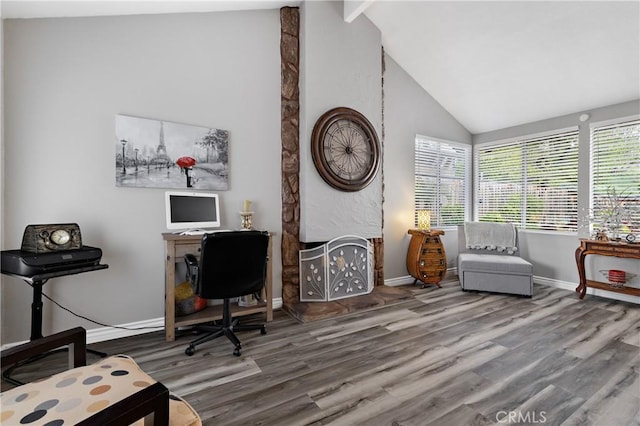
<point x="353" y="8"/>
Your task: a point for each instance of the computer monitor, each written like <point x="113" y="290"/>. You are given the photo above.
<point x="192" y="210"/>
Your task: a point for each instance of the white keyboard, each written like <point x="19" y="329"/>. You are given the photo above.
<point x="200" y="231"/>
<point x="194" y="232"/>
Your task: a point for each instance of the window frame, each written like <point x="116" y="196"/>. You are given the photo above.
<point x="466" y="181"/>
<point x="522" y="141"/>
<point x="592" y="216"/>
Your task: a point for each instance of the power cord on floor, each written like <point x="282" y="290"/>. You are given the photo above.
<point x="97" y="322"/>
<point x="6" y="374"/>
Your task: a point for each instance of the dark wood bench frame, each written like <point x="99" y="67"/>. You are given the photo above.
<point x="153" y="399"/>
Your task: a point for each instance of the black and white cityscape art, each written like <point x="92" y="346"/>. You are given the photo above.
<point x="161" y="154"/>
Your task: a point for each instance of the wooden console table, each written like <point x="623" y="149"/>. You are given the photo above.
<point x="426" y="258"/>
<point x="176" y="247"/>
<point x="604" y="248"/>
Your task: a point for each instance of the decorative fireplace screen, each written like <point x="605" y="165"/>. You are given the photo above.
<point x="341" y="268"/>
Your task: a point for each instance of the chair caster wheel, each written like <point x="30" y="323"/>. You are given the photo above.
<point x="190" y="350"/>
<point x="263" y="330"/>
<point x="237" y="352"/>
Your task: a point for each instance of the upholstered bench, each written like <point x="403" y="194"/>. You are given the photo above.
<point x="493" y="270"/>
<point x="112" y="391"/>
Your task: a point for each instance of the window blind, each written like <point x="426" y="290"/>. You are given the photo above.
<point x="442" y="176"/>
<point x="531" y="182"/>
<point x="615" y="165"/>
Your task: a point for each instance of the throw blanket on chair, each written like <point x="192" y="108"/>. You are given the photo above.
<point x="491" y="236"/>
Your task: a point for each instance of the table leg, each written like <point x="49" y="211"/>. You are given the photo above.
<point x="36" y="311"/>
<point x="582" y="287"/>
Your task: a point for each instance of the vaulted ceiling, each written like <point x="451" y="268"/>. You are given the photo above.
<point x="491" y="64"/>
<point x="499" y="64"/>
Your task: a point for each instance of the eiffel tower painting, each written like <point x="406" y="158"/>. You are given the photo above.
<point x="161" y="151"/>
<point x="163" y="154"/>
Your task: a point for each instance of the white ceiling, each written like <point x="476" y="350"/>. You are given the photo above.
<point x="491" y="64"/>
<point x="70" y="8"/>
<point x="498" y="64"/>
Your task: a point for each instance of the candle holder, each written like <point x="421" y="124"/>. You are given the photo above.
<point x="246" y="220"/>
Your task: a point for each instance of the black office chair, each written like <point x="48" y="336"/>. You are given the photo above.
<point x="232" y="264"/>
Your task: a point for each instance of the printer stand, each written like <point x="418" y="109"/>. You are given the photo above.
<point x="36" y="282"/>
<point x="36" y="310"/>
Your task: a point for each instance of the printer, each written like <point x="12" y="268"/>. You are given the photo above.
<point x="28" y="264"/>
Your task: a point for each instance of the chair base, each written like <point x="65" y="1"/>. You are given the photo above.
<point x="227" y="328"/>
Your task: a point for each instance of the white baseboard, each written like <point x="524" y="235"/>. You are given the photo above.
<point x="96" y="335"/>
<point x="566" y="285"/>
<point x="109" y="333"/>
<point x="394" y="282"/>
<point x="408" y="279"/>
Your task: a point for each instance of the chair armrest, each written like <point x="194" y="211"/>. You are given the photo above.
<point x="76" y="338"/>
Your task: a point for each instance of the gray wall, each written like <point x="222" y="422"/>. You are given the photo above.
<point x="326" y="40"/>
<point x="65" y="81"/>
<point x="408" y="111"/>
<point x="551" y="254"/>
<point x="340" y="66"/>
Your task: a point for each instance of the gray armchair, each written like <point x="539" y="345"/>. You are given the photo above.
<point x="487" y="263"/>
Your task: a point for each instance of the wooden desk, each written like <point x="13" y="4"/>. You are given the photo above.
<point x="426" y="258"/>
<point x="176" y="247"/>
<point x="604" y="248"/>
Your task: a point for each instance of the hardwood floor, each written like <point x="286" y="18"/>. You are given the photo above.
<point x="446" y="357"/>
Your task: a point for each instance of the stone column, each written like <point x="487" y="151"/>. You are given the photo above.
<point x="378" y="243"/>
<point x="290" y="135"/>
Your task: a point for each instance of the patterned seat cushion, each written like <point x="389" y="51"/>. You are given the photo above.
<point x="74" y="395"/>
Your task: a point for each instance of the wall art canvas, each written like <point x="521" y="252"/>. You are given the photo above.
<point x="162" y="154"/>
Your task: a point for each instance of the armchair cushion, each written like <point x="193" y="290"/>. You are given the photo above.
<point x="113" y="391"/>
<point x="74" y="395"/>
<point x="491" y="263"/>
